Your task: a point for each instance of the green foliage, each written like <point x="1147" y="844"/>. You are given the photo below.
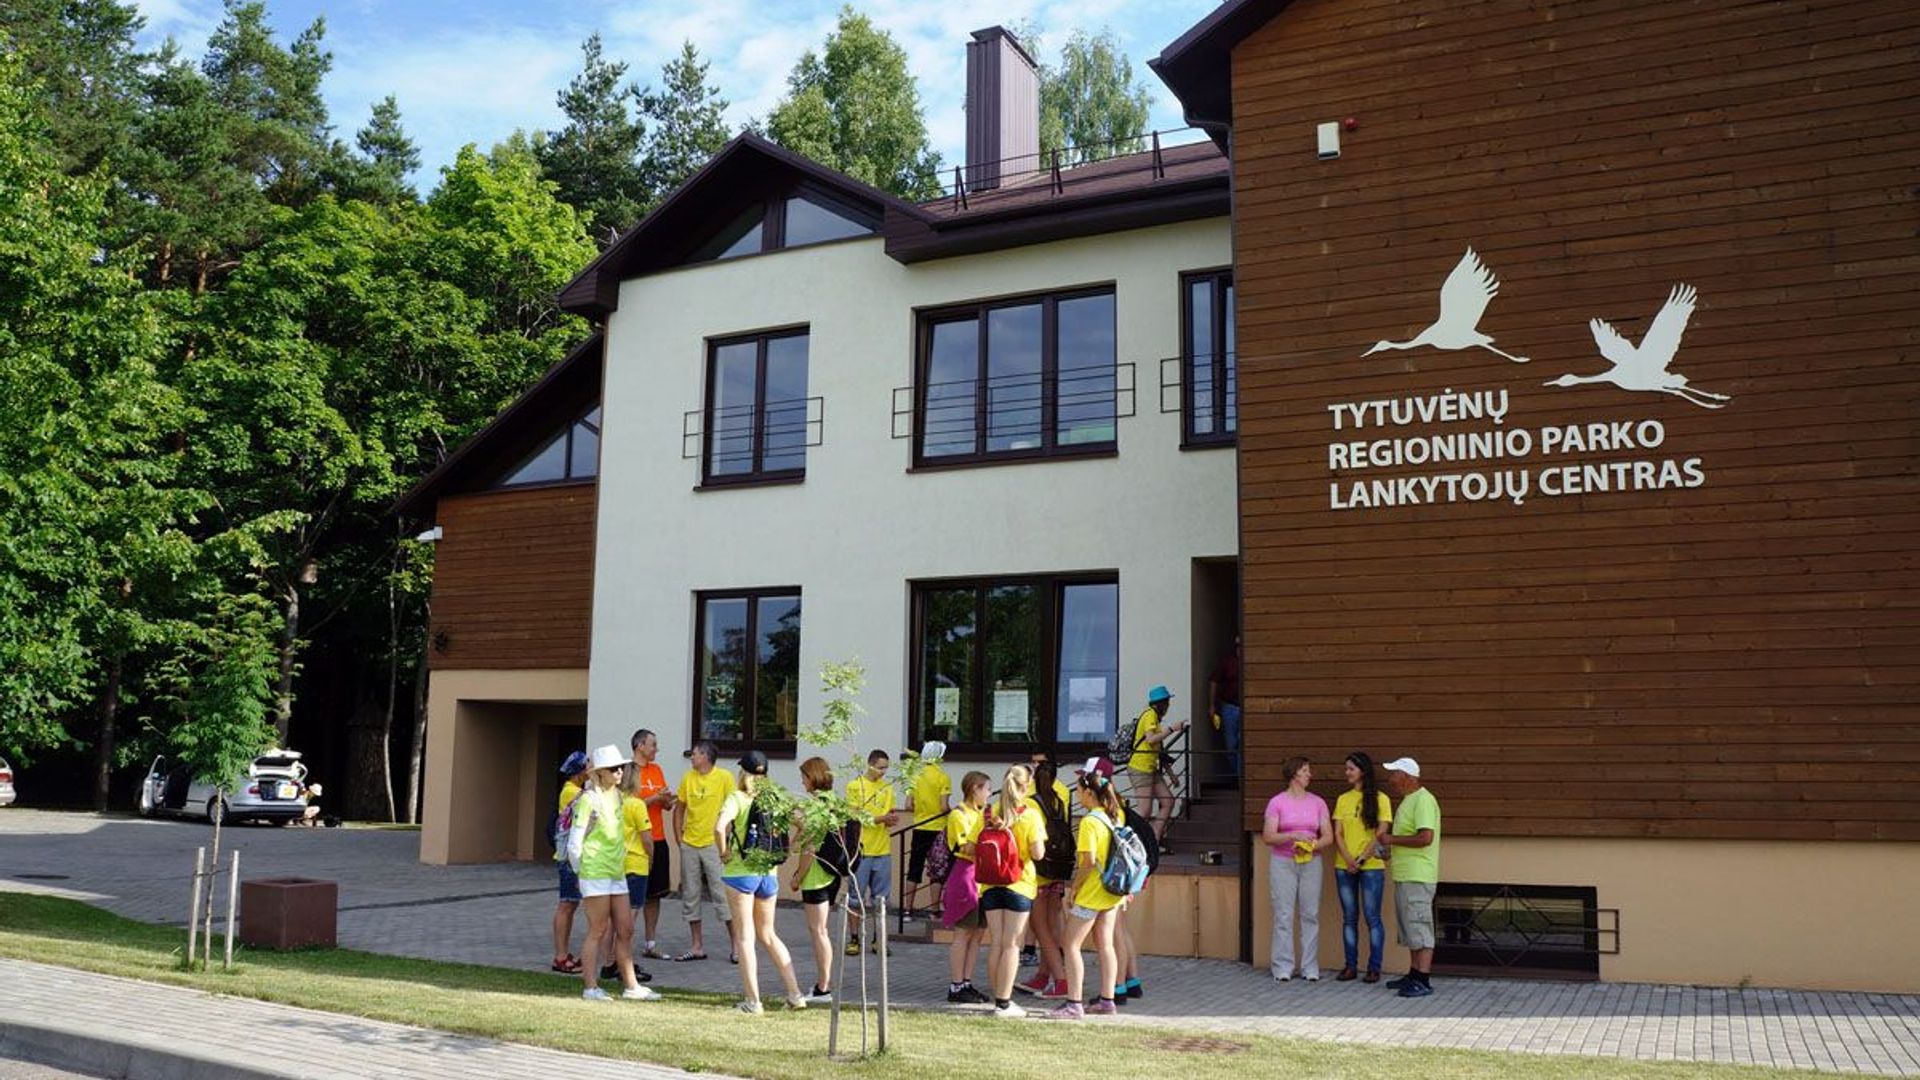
<point x="378" y="172"/>
<point x="688" y="122"/>
<point x="594" y="158"/>
<point x="1091" y="106"/>
<point x="854" y="106"/>
<point x="80" y="55"/>
<point x="221" y="690"/>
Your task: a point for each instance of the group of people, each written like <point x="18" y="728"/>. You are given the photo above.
<point x="1368" y="839"/>
<point x="1010" y="866"/>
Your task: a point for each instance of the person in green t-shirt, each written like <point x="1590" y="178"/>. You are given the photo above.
<point x="817" y="873"/>
<point x="1413" y="854"/>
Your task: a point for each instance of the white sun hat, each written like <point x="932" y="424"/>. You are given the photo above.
<point x="608" y="757"/>
<point x="1403" y="764"/>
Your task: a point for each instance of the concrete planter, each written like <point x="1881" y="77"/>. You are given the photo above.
<point x="289" y="913"/>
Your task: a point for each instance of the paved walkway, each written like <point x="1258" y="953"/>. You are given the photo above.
<point x="499" y="915"/>
<point x="170" y="1031"/>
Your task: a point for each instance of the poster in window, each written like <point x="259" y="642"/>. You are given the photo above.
<point x="946" y="706"/>
<point x="1010" y="712"/>
<point x="720" y="723"/>
<point x="1087" y="706"/>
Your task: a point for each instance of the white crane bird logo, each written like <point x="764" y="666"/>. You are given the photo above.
<point x="1644" y="367"/>
<point x="1463" y="299"/>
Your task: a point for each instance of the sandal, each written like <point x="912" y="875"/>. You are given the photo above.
<point x="567" y="965"/>
<point x="651" y="953"/>
<point x="685" y="957"/>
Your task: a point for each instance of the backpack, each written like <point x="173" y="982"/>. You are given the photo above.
<point x="561" y="825"/>
<point x="757" y="830"/>
<point x="1120" y="745"/>
<point x="997" y="859"/>
<point x="939" y="859"/>
<point x="1126" y="871"/>
<point x="1142" y="829"/>
<point x="1056" y="863"/>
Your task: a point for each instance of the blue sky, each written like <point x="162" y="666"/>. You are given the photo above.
<point x="475" y="70"/>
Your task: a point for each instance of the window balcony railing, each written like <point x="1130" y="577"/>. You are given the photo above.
<point x="746" y="441"/>
<point x="1018" y="414"/>
<point x="1210" y="406"/>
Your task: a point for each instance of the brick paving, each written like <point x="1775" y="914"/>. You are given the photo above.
<point x="499" y="915"/>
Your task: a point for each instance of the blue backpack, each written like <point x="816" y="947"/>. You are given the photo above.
<point x="1125" y="873"/>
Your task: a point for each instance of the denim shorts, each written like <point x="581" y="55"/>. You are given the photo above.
<point x="1001" y="898"/>
<point x="569" y="883"/>
<point x="758" y="886"/>
<point x="874" y="873"/>
<point x="637" y="885"/>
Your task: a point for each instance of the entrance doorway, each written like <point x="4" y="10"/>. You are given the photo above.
<point x="1215" y="621"/>
<point x="556" y="741"/>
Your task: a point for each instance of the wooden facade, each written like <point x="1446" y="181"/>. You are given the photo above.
<point x="513" y="579"/>
<point x="1734" y="659"/>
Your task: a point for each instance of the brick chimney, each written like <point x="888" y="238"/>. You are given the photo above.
<point x="1003" y="110"/>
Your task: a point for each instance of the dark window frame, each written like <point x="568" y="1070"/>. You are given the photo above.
<point x="568" y="476"/>
<point x="925" y="319"/>
<point x="1221" y="279"/>
<point x="1052" y="612"/>
<point x="773" y="222"/>
<point x="756" y="474"/>
<point x="776" y="748"/>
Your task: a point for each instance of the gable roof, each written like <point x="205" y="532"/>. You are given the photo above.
<point x="1198" y="68"/>
<point x="747" y="169"/>
<point x="566" y="390"/>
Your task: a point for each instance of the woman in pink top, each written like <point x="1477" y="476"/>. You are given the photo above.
<point x="1297" y="828"/>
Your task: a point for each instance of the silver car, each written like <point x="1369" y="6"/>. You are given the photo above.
<point x="274" y="789"/>
<point x="6" y="783"/>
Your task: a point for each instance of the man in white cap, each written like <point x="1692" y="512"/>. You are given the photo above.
<point x="1413" y="850"/>
<point x="932" y="799"/>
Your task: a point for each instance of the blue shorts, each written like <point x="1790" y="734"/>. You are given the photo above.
<point x="874" y="873"/>
<point x="1001" y="898"/>
<point x="637" y="890"/>
<point x="569" y="883"/>
<point x="758" y="886"/>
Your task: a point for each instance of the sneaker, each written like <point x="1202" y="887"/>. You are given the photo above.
<point x="642" y="976"/>
<point x="1035" y="985"/>
<point x="1283" y="978"/>
<point x="967" y="995"/>
<point x="853" y="948"/>
<point x="819" y="996"/>
<point x="594" y="993"/>
<point x="1066" y="1010"/>
<point x="608" y="971"/>
<point x="1029" y="956"/>
<point x="1010" y="1011"/>
<point x="1415" y="989"/>
<point x="1399" y="983"/>
<point x="1056" y="991"/>
<point x="751" y="1008"/>
<point x="1102" y="1008"/>
<point x="1133" y="989"/>
<point x="1119" y="997"/>
<point x="796" y="1002"/>
<point x="639" y="993"/>
<point x="1313" y="976"/>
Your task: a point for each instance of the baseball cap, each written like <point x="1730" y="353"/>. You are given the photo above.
<point x="576" y="762"/>
<point x="753" y="763"/>
<point x="1159" y="694"/>
<point x="1404" y="764"/>
<point x="1098" y="764"/>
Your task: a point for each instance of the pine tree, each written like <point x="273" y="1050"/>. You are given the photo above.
<point x="595" y="157"/>
<point x="688" y="121"/>
<point x="379" y="171"/>
<point x="81" y="56"/>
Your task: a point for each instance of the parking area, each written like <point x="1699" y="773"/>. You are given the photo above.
<point x="499" y="915"/>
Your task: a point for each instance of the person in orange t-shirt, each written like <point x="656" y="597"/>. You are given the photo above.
<point x="653" y="790"/>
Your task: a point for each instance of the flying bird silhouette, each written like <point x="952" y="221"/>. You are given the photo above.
<point x="1463" y="299"/>
<point x="1644" y="367"/>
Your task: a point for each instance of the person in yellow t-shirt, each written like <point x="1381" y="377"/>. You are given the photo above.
<point x="1094" y="910"/>
<point x="960" y="906"/>
<point x="872" y="792"/>
<point x="1359" y="872"/>
<point x="703" y="791"/>
<point x="1148" y="780"/>
<point x="1048" y="924"/>
<point x="1008" y="905"/>
<point x="932" y="793"/>
<point x="575" y="769"/>
<point x="636" y="823"/>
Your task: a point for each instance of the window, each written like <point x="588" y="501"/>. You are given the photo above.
<point x="571" y="454"/>
<point x="746" y="688"/>
<point x="1210" y="399"/>
<point x="1022" y="378"/>
<point x="756" y="423"/>
<point x="792" y="221"/>
<point x="1010" y="663"/>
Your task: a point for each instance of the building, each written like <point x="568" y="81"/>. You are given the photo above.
<point x="820" y="424"/>
<point x="1654" y="638"/>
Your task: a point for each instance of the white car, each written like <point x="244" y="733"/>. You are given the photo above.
<point x="6" y="783"/>
<point x="274" y="789"/>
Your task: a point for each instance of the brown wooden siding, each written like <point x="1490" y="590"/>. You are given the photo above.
<point x="513" y="578"/>
<point x="1738" y="659"/>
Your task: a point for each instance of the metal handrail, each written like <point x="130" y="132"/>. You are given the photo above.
<point x="1056" y="166"/>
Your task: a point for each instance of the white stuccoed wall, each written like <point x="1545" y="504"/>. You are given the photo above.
<point x="861" y="526"/>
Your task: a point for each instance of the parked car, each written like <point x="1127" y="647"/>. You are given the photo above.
<point x="274" y="789"/>
<point x="6" y="783"/>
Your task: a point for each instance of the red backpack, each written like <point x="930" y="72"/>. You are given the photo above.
<point x="997" y="859"/>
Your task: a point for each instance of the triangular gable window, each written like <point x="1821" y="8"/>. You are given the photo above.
<point x="809" y="222"/>
<point x="795" y="220"/>
<point x="571" y="454"/>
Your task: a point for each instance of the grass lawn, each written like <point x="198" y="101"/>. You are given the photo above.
<point x="702" y="1032"/>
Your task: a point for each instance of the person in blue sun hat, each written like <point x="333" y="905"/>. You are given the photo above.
<point x="1149" y="785"/>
